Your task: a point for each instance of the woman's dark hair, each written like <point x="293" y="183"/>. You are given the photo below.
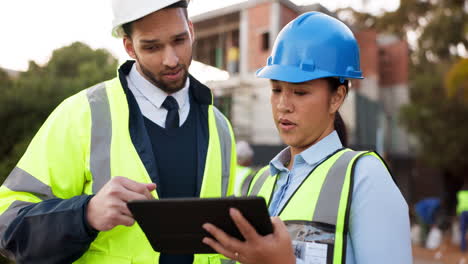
<point x="127" y="27"/>
<point x="339" y="124"/>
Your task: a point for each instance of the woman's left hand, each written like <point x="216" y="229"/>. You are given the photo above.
<point x="256" y="249"/>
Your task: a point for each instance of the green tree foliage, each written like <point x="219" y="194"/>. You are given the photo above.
<point x="5" y="80"/>
<point x="440" y="28"/>
<point x="26" y="102"/>
<point x="439" y="122"/>
<point x="456" y="81"/>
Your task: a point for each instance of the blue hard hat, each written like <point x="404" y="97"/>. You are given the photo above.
<point x="313" y="46"/>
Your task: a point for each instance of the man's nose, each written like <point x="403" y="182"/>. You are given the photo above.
<point x="170" y="59"/>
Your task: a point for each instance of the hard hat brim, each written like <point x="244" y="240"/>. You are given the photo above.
<point x="294" y="75"/>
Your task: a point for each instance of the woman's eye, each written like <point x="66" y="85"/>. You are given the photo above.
<point x="300" y="93"/>
<point x="276" y="90"/>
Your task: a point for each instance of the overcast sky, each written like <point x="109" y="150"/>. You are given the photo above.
<point x="33" y="29"/>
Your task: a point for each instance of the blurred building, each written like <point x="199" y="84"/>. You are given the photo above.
<point x="244" y="34"/>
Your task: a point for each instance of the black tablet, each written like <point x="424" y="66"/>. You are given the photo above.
<point x="175" y="225"/>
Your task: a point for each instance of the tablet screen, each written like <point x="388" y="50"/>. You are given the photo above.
<point x="175" y="225"/>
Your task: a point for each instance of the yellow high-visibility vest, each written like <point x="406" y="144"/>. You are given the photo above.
<point x="83" y="144"/>
<point x="322" y="200"/>
<point x="462" y="204"/>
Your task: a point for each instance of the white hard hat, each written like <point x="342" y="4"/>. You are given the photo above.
<point x="130" y="10"/>
<point x="244" y="151"/>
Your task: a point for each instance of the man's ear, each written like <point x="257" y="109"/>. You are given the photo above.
<point x="337" y="99"/>
<point x="128" y="45"/>
<point x="191" y="31"/>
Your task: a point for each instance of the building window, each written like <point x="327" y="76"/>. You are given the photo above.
<point x="266" y="41"/>
<point x="208" y="51"/>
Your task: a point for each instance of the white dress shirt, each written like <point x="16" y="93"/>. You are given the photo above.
<point x="150" y="98"/>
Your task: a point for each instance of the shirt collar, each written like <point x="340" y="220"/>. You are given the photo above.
<point x="277" y="164"/>
<point x="153" y="93"/>
<point x="313" y="155"/>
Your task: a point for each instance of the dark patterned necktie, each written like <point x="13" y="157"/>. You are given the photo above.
<point x="172" y="118"/>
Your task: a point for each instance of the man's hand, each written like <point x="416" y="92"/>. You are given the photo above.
<point x="109" y="207"/>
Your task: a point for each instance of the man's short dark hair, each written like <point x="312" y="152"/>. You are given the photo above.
<point x="127" y="27"/>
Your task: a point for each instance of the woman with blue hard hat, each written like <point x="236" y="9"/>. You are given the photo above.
<point x="329" y="204"/>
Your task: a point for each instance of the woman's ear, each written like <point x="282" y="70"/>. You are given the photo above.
<point x="337" y="99"/>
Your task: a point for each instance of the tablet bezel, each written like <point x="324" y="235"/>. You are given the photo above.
<point x="174" y="226"/>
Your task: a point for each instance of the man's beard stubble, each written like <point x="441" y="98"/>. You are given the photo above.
<point x="167" y="88"/>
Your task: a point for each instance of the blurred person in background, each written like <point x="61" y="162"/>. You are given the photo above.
<point x="346" y="200"/>
<point x="446" y="213"/>
<point x="233" y="57"/>
<point x="462" y="211"/>
<point x="426" y="211"/>
<point x="451" y="184"/>
<point x="245" y="156"/>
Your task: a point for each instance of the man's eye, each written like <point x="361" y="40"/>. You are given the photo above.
<point x="152" y="48"/>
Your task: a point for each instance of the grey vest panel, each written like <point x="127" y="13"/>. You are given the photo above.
<point x="259" y="183"/>
<point x="226" y="148"/>
<point x="328" y="203"/>
<point x="246" y="184"/>
<point x="101" y="135"/>
<point x="21" y="181"/>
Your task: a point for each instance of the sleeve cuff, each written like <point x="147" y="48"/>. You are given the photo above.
<point x="87" y="227"/>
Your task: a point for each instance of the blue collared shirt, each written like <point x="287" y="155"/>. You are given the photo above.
<point x="379" y="228"/>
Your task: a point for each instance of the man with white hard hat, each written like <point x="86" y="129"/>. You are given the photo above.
<point x="152" y="132"/>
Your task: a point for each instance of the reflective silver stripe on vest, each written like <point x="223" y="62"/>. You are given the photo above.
<point x="21" y="181"/>
<point x="259" y="183"/>
<point x="10" y="214"/>
<point x="328" y="203"/>
<point x="228" y="261"/>
<point x="225" y="142"/>
<point x="101" y="135"/>
<point x="246" y="184"/>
